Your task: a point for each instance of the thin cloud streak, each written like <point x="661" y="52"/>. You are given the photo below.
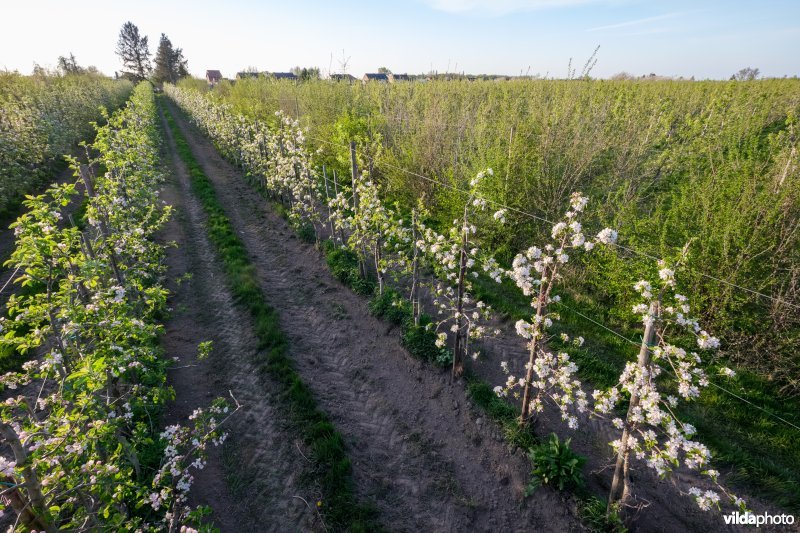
<point x="503" y="7"/>
<point x="636" y="22"/>
<point x="651" y="31"/>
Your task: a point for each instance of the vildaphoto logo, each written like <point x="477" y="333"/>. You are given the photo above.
<point x="758" y="520"/>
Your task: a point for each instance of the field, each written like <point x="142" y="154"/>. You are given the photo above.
<point x="664" y="163"/>
<point x="322" y="306"/>
<point x="43" y="117"/>
<point x="710" y="163"/>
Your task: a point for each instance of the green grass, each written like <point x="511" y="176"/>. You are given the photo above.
<point x="592" y="511"/>
<point x="760" y="452"/>
<point x="333" y="472"/>
<point x="343" y="264"/>
<point x="502" y="412"/>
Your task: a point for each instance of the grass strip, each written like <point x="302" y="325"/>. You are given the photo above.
<point x="339" y="506"/>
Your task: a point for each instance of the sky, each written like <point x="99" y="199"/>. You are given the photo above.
<point x="704" y="39"/>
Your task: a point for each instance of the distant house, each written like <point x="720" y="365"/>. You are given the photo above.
<point x="343" y="77"/>
<point x="283" y="75"/>
<point x="379" y="77"/>
<point x="213" y="77"/>
<point x="399" y="77"/>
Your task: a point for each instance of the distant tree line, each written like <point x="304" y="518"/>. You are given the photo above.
<point x="134" y="51"/>
<point x="306" y="73"/>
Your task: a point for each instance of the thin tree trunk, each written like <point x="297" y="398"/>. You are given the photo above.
<point x="414" y="270"/>
<point x="458" y="350"/>
<point x="32" y="483"/>
<point x="619" y="484"/>
<point x="378" y="257"/>
<point x="541" y="311"/>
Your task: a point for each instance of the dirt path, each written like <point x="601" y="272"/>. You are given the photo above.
<point x="417" y="448"/>
<point x="252" y="483"/>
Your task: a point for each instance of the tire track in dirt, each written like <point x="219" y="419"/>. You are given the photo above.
<point x="252" y="482"/>
<point x="416" y="448"/>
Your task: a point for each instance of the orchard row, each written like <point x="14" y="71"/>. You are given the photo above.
<point x="82" y="416"/>
<point x="41" y="118"/>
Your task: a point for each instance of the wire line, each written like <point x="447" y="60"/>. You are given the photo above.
<point x="733" y="394"/>
<point x="542" y="219"/>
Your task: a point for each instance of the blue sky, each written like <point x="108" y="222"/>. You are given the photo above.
<point x="705" y="39"/>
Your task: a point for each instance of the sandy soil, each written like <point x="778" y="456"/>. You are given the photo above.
<point x="252" y="483"/>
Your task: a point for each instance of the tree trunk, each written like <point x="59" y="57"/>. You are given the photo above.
<point x="526" y="390"/>
<point x="458" y="349"/>
<point x="414" y="271"/>
<point x="32" y="484"/>
<point x="619" y="484"/>
<point x="378" y="257"/>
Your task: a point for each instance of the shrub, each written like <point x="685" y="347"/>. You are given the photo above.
<point x="420" y="341"/>
<point x="554" y="463"/>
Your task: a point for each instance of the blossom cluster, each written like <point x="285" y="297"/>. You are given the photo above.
<point x="185" y="452"/>
<point x="536" y="271"/>
<point x="650" y="430"/>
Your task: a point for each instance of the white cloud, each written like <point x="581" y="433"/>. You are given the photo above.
<point x="637" y="22"/>
<point x="501" y="7"/>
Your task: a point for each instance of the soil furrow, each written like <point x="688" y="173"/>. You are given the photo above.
<point x="252" y="484"/>
<point x="413" y="438"/>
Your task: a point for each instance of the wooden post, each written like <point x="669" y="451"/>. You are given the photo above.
<point x="619" y="485"/>
<point x="336" y="192"/>
<point x="309" y="192"/>
<point x="508" y="164"/>
<point x="354" y="171"/>
<point x="87" y="180"/>
<point x="414" y="268"/>
<point x="354" y="178"/>
<point x="328" y="201"/>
